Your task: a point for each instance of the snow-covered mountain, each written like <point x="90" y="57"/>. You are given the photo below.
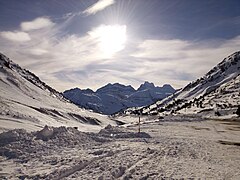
<point x="112" y="98"/>
<point x="27" y="102"/>
<point x="216" y="93"/>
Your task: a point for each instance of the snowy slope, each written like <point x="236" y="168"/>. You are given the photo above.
<point x="112" y="98"/>
<point x="217" y="91"/>
<point x="27" y="102"/>
<point x="164" y="150"/>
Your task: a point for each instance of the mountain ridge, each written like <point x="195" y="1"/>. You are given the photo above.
<point x="112" y="98"/>
<point x="225" y="75"/>
<point x="29" y="76"/>
<point x="29" y="103"/>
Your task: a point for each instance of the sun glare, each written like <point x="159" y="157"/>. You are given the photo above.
<point x="111" y="38"/>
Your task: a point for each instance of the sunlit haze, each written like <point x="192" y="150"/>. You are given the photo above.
<point x="111" y="38"/>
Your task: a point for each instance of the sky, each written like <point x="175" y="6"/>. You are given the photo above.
<point x="90" y="43"/>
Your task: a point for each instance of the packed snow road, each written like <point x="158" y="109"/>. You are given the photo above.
<point x="164" y="150"/>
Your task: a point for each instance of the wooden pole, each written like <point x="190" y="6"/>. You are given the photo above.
<point x="139" y="124"/>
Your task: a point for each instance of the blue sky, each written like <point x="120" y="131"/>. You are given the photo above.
<point x="89" y="43"/>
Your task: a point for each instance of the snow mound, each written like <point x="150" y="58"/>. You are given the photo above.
<point x="120" y="132"/>
<point x="23" y="145"/>
<point x="66" y="135"/>
<point x="13" y="136"/>
<point x="18" y="143"/>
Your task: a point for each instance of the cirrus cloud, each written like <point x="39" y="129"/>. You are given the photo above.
<point x="74" y="60"/>
<point x="98" y="6"/>
<point x="158" y="48"/>
<point x="178" y="61"/>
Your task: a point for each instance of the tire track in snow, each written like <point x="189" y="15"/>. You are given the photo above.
<point x="146" y="157"/>
<point x="82" y="165"/>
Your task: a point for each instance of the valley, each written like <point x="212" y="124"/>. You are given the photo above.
<point x="191" y="134"/>
<point x="119" y="90"/>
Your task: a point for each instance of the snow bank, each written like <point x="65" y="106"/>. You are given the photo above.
<point x="120" y="132"/>
<point x="20" y="144"/>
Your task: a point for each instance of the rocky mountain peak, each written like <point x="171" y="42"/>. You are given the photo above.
<point x="115" y="87"/>
<point x="146" y="85"/>
<point x="112" y="98"/>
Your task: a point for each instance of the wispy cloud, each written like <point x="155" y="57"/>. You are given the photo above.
<point x="16" y="36"/>
<point x="155" y="49"/>
<point x="177" y="61"/>
<point x="98" y="6"/>
<point x="77" y="60"/>
<point x="38" y="23"/>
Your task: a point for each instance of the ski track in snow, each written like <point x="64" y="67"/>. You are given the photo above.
<point x="206" y="150"/>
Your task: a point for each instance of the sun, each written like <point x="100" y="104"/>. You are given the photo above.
<point x="111" y="38"/>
